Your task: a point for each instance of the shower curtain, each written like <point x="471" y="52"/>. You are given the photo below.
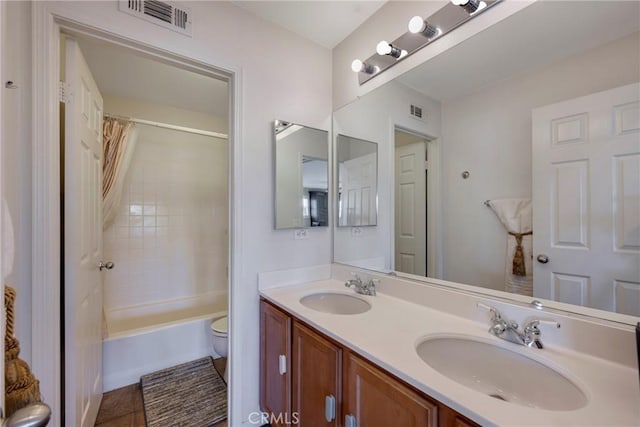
<point x="119" y="139"/>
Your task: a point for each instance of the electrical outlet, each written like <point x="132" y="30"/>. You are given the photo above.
<point x="301" y="234"/>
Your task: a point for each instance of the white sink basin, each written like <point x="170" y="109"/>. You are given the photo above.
<point x="501" y="373"/>
<point x="335" y="303"/>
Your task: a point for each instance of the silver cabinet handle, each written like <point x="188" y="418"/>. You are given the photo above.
<point x="329" y="408"/>
<point x="282" y="364"/>
<point x="34" y="415"/>
<point x="542" y="259"/>
<point x="106" y="265"/>
<point x="350" y="421"/>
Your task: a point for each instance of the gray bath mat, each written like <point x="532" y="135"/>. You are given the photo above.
<point x="187" y="395"/>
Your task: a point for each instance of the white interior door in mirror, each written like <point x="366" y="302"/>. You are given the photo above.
<point x="411" y="209"/>
<point x="586" y="198"/>
<point x="83" y="242"/>
<point x="358" y="199"/>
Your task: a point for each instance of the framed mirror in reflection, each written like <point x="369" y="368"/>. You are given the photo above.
<point x="357" y="182"/>
<point x="301" y="176"/>
<point x="523" y="173"/>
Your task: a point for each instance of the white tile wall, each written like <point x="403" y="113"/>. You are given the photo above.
<point x="169" y="239"/>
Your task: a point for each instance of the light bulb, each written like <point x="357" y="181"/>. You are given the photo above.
<point x="416" y="25"/>
<point x="470" y="6"/>
<point x="383" y="48"/>
<point x="481" y="6"/>
<point x="362" y="67"/>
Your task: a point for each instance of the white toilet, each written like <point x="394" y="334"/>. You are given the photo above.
<point x="219" y="338"/>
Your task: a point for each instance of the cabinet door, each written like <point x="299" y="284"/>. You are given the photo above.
<point x="376" y="399"/>
<point x="447" y="417"/>
<point x="316" y="378"/>
<point x="275" y="363"/>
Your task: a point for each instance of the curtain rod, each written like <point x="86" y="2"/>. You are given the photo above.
<point x="168" y="126"/>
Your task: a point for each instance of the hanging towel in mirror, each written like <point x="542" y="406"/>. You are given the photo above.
<point x="516" y="216"/>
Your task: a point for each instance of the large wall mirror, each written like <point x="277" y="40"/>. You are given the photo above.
<point x="301" y="176"/>
<point x="522" y="172"/>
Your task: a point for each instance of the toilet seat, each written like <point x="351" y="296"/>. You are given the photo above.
<point x="220" y="326"/>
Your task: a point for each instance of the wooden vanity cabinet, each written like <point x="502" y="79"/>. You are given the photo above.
<point x="275" y="363"/>
<point x="317" y="372"/>
<point x="376" y="399"/>
<point x="317" y="369"/>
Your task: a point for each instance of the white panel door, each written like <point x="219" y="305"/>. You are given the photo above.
<point x="359" y="191"/>
<point x="410" y="209"/>
<point x="82" y="242"/>
<point x="586" y="200"/>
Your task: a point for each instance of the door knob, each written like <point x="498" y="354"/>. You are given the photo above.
<point x="34" y="415"/>
<point x="108" y="265"/>
<point x="542" y="259"/>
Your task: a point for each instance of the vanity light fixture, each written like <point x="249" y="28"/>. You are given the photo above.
<point x="386" y="48"/>
<point x="357" y="66"/>
<point x="471" y="6"/>
<point x="422" y="31"/>
<point x="417" y="25"/>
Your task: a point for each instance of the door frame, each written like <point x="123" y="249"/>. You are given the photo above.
<point x="2" y="145"/>
<point x="48" y="25"/>
<point x="434" y="233"/>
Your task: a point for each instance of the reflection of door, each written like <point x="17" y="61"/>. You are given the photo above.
<point x="359" y="191"/>
<point x="586" y="198"/>
<point x="82" y="242"/>
<point x="411" y="209"/>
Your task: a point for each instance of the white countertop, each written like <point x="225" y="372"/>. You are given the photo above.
<point x="388" y="333"/>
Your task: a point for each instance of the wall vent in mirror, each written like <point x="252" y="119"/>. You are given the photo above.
<point x="163" y="13"/>
<point x="301" y="176"/>
<point x="416" y="111"/>
<point x="421" y="32"/>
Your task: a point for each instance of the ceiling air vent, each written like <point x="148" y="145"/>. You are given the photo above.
<point x="162" y="13"/>
<point x="416" y="111"/>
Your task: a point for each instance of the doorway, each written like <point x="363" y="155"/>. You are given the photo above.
<point x="414" y="202"/>
<point x="49" y="27"/>
<point x="166" y="238"/>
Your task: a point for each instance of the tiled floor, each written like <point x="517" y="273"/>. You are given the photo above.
<point x="123" y="407"/>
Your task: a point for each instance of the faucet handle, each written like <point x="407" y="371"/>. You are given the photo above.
<point x="351" y="282"/>
<point x="532" y="325"/>
<point x="495" y="314"/>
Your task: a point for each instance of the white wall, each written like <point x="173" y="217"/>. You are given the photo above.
<point x="16" y="146"/>
<point x="169" y="239"/>
<point x="488" y="133"/>
<point x="273" y="86"/>
<point x="373" y="118"/>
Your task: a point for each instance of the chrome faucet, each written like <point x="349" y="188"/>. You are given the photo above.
<point x="368" y="288"/>
<point x="508" y="330"/>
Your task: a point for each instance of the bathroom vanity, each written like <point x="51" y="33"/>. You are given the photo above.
<point x="421" y="355"/>
<point x="305" y="372"/>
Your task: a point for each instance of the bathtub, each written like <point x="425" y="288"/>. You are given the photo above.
<point x="145" y="338"/>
